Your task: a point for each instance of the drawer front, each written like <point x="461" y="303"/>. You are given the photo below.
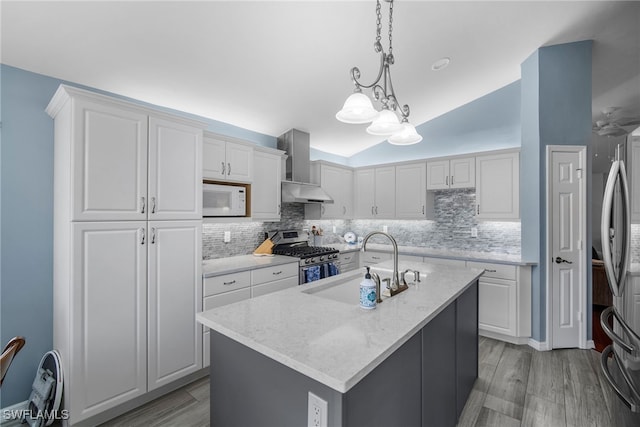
<point x="225" y="283"/>
<point x="226" y="298"/>
<point x="278" y="285"/>
<point x="277" y="272"/>
<point x="374" y="257"/>
<point x="499" y="271"/>
<point x="348" y="267"/>
<point x="348" y="257"/>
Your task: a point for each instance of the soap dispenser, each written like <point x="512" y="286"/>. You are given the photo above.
<point x="368" y="295"/>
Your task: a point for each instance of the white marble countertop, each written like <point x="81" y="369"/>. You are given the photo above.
<point x="497" y="258"/>
<point x="338" y="343"/>
<point x="234" y="264"/>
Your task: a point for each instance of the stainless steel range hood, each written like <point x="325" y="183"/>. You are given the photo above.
<point x="297" y="187"/>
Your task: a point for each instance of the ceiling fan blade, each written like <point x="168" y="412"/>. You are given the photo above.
<point x="611" y="131"/>
<point x="627" y="121"/>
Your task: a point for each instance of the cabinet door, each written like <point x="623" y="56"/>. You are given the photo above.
<point x="463" y="172"/>
<point x="175" y="176"/>
<point x="385" y="188"/>
<point x="497" y="306"/>
<point x="364" y="188"/>
<point x="347" y="194"/>
<point x="438" y="175"/>
<point x="498" y="186"/>
<point x="214" y="160"/>
<point x="175" y="296"/>
<point x="266" y="188"/>
<point x="634" y="165"/>
<point x="239" y="162"/>
<point x="109" y="166"/>
<point x="335" y="181"/>
<point x="411" y="191"/>
<point x="108" y="317"/>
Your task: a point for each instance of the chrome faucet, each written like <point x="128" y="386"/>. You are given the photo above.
<point x="395" y="286"/>
<point x="376" y="280"/>
<point x="416" y="276"/>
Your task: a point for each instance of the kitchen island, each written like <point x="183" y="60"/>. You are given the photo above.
<point x="411" y="361"/>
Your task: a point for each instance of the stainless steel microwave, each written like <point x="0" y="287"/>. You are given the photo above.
<point x="224" y="200"/>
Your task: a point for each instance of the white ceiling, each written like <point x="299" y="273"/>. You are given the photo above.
<point x="269" y="66"/>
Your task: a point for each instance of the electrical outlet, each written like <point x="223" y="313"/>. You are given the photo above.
<point x="385" y="229"/>
<point x="317" y="411"/>
<point x="474" y="232"/>
<point x="334" y="229"/>
<point x="227" y="236"/>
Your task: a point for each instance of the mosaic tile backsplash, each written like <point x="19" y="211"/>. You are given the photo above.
<point x="451" y="230"/>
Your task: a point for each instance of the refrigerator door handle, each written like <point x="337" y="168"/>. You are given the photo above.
<point x="628" y="400"/>
<point x="616" y="282"/>
<point x="631" y="348"/>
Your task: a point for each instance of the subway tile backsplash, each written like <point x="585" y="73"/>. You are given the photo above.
<point x="451" y="230"/>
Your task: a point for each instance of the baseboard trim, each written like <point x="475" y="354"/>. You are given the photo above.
<point x="502" y="337"/>
<point x="539" y="345"/>
<point x="590" y="345"/>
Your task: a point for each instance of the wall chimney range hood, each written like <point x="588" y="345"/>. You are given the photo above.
<point x="297" y="187"/>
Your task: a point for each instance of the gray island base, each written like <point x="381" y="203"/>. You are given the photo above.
<point x="423" y="379"/>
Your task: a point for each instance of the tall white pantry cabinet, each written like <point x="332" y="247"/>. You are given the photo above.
<point x="127" y="249"/>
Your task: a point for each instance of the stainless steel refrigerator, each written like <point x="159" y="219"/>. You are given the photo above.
<point x="620" y="361"/>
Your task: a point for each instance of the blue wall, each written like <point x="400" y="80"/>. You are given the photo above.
<point x="556" y="110"/>
<point x="26" y="211"/>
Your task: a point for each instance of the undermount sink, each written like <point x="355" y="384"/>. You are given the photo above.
<point x="346" y="291"/>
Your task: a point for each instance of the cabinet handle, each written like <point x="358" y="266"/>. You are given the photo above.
<point x="229" y="283"/>
<point x="376" y="210"/>
<point x="279" y="210"/>
<point x="143" y="203"/>
<point x="478" y="209"/>
<point x="344" y="210"/>
<point x="153" y="235"/>
<point x="228" y="168"/>
<point x="153" y="205"/>
<point x="451" y="179"/>
<point x="375" y="257"/>
<point x="422" y="209"/>
<point x="489" y="271"/>
<point x="322" y="209"/>
<point x="275" y="273"/>
<point x="224" y="168"/>
<point x="447" y="180"/>
<point x="372" y="211"/>
<point x="142" y="236"/>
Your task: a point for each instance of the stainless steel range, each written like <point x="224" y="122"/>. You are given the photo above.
<point x="316" y="262"/>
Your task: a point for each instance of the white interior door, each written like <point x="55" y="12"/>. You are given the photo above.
<point x="568" y="287"/>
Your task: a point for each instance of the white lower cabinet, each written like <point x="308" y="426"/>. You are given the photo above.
<point x="229" y="288"/>
<point x="124" y="310"/>
<point x="504" y="301"/>
<point x="349" y="261"/>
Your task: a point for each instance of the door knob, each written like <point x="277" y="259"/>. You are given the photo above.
<point x="560" y="261"/>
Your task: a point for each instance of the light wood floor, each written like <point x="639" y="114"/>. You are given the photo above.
<point x="516" y="386"/>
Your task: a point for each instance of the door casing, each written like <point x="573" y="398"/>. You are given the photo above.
<point x="585" y="315"/>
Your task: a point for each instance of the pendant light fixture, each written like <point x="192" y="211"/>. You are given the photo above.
<point x="358" y="107"/>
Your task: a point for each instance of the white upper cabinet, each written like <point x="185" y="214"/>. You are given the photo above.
<point x="411" y="191"/>
<point x="226" y="160"/>
<point x="108" y="156"/>
<point x="375" y="192"/>
<point x="454" y="173"/>
<point x="634" y="179"/>
<point x="498" y="186"/>
<point x="266" y="198"/>
<point x="338" y="183"/>
<point x="175" y="177"/>
<point x="124" y="164"/>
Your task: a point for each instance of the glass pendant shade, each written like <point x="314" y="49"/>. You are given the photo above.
<point x="407" y="136"/>
<point x="387" y="123"/>
<point x="357" y="109"/>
